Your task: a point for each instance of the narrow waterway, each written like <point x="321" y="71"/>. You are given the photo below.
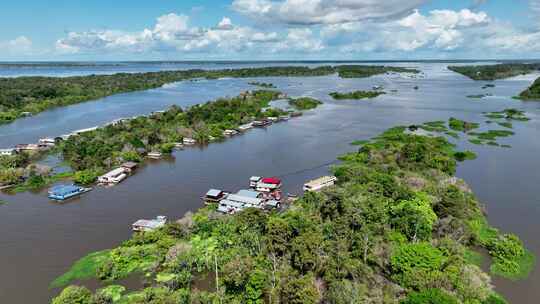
<point x="42" y="239"/>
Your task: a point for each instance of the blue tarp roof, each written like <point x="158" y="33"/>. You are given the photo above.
<point x="64" y="189"/>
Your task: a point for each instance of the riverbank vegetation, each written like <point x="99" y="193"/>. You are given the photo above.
<point x="23" y="96"/>
<point x="397" y="228"/>
<point x="532" y="92"/>
<point x="495" y="71"/>
<point x="130" y="140"/>
<point x="356" y="95"/>
<point x="262" y="84"/>
<point x="304" y="103"/>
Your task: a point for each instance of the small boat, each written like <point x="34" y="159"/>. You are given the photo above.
<point x="155" y="155"/>
<point x="262" y="123"/>
<point x="320" y="183"/>
<point x="65" y="192"/>
<point x="284" y="117"/>
<point x="189" y="141"/>
<point x="149" y="225"/>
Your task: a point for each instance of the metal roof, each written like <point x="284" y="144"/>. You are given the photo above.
<point x="214" y="192"/>
<point x="244" y="199"/>
<point x="248" y="193"/>
<point x="64" y="189"/>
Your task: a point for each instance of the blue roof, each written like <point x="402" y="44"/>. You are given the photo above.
<point x="64" y="189"/>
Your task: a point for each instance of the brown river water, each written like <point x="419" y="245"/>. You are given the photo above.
<point x="41" y="239"/>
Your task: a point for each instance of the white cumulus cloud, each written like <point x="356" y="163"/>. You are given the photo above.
<point x="308" y="12"/>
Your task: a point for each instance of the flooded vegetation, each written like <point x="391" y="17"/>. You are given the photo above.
<point x="532" y="92"/>
<point x="356" y="95"/>
<point x="495" y="71"/>
<point x="410" y="179"/>
<point x="24" y="96"/>
<point x="397" y="213"/>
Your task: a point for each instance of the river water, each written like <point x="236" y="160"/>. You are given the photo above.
<point x="41" y="239"/>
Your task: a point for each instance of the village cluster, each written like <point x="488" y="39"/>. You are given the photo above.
<point x="264" y="193"/>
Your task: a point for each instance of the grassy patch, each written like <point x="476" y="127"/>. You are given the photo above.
<point x="84" y="268"/>
<point x="516" y="269"/>
<point x="359" y="142"/>
<point x="473" y="257"/>
<point x="304" y="103"/>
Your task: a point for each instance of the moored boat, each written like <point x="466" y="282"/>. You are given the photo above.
<point x="65" y="192"/>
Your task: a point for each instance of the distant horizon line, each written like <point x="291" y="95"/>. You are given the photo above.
<point x="75" y="62"/>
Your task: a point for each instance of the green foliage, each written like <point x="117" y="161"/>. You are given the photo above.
<point x="356" y="95"/>
<point x="461" y="125"/>
<point x="414" y="218"/>
<point x="262" y="84"/>
<point x="396" y="223"/>
<point x="430" y="296"/>
<point x="86" y="177"/>
<point x="74" y="295"/>
<point x="463" y="156"/>
<point x="532" y="92"/>
<point x="107" y="147"/>
<point x="299" y="290"/>
<point x="496" y="71"/>
<point x="84" y="268"/>
<point x="304" y="103"/>
<point x="37" y="94"/>
<point x="412" y="259"/>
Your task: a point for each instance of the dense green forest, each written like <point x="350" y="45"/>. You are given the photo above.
<point x="496" y="71"/>
<point x="356" y="95"/>
<point x="90" y="154"/>
<point x="304" y="103"/>
<point x="532" y="92"/>
<point x="22" y="95"/>
<point x="397" y="228"/>
<point x="130" y="140"/>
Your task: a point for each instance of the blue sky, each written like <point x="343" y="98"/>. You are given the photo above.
<point x="269" y="29"/>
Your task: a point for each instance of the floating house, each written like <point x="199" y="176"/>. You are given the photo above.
<point x="249" y="193"/>
<point x="26" y="114"/>
<point x="268" y="184"/>
<point x="230" y="132"/>
<point x="149" y="225"/>
<point x="234" y="203"/>
<point x="50" y="142"/>
<point x="64" y="192"/>
<point x="320" y="183"/>
<point x="113" y="177"/>
<point x="81" y="131"/>
<point x="27" y="147"/>
<point x="253" y="181"/>
<point x="155" y="155"/>
<point x="130" y="166"/>
<point x="272" y="204"/>
<point x="273" y="119"/>
<point x="189" y="141"/>
<point x="214" y="196"/>
<point x="179" y="145"/>
<point x="284" y="117"/>
<point x="245" y="127"/>
<point x="262" y="123"/>
<point x="8" y="152"/>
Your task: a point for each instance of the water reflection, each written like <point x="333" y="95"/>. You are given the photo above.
<point x="40" y="240"/>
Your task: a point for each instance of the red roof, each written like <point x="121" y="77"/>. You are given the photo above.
<point x="271" y="180"/>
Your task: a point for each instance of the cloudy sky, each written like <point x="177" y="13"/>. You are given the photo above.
<point x="269" y="29"/>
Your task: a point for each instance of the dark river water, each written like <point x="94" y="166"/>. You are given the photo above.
<point x="41" y="239"/>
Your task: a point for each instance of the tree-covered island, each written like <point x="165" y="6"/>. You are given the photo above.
<point x="23" y="96"/>
<point x="92" y="153"/>
<point x="495" y="71"/>
<point x="397" y="228"/>
<point x="356" y="95"/>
